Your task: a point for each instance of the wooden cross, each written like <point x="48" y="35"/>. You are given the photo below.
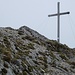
<point x="58" y="19"/>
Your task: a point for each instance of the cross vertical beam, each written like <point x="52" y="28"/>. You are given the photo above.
<point x="58" y="20"/>
<point x="58" y="30"/>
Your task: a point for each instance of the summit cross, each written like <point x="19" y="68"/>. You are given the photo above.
<point x="58" y="20"/>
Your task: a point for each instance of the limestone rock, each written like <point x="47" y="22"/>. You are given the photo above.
<point x="24" y="51"/>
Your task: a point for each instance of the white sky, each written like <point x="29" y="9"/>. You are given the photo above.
<point x="34" y="14"/>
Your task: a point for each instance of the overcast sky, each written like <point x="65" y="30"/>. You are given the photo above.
<point x="34" y="14"/>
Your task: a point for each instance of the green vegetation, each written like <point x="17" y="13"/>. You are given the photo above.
<point x="45" y="59"/>
<point x="27" y="54"/>
<point x="55" y="46"/>
<point x="7" y="56"/>
<point x="52" y="55"/>
<point x="42" y="53"/>
<point x="6" y="52"/>
<point x="42" y="43"/>
<point x="7" y="43"/>
<point x="63" y="56"/>
<point x="2" y="48"/>
<point x="41" y="58"/>
<point x="30" y="46"/>
<point x="0" y="34"/>
<point x="28" y="38"/>
<point x="30" y="68"/>
<point x="23" y="47"/>
<point x="24" y="73"/>
<point x="37" y="42"/>
<point x="19" y="42"/>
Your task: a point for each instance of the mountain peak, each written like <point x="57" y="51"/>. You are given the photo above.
<point x="24" y="51"/>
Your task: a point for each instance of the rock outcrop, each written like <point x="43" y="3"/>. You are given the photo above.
<point x="24" y="51"/>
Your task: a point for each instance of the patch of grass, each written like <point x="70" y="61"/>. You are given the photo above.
<point x="25" y="73"/>
<point x="42" y="43"/>
<point x="2" y="48"/>
<point x="19" y="74"/>
<point x="36" y="41"/>
<point x="52" y="55"/>
<point x="23" y="47"/>
<point x="1" y="34"/>
<point x="63" y="56"/>
<point x="41" y="58"/>
<point x="57" y="46"/>
<point x="45" y="59"/>
<point x="7" y="53"/>
<point x="7" y="56"/>
<point x="27" y="52"/>
<point x="17" y="56"/>
<point x="19" y="42"/>
<point x="42" y="53"/>
<point x="30" y="46"/>
<point x="28" y="38"/>
<point x="19" y="53"/>
<point x="19" y="45"/>
<point x="30" y="68"/>
<point x="7" y="43"/>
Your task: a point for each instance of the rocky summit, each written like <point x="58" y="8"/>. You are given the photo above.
<point x="24" y="51"/>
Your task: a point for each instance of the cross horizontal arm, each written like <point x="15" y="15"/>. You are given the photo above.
<point x="58" y="14"/>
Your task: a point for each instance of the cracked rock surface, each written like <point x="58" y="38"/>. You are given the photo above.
<point x="24" y="51"/>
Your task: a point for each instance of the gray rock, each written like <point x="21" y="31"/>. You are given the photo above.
<point x="33" y="54"/>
